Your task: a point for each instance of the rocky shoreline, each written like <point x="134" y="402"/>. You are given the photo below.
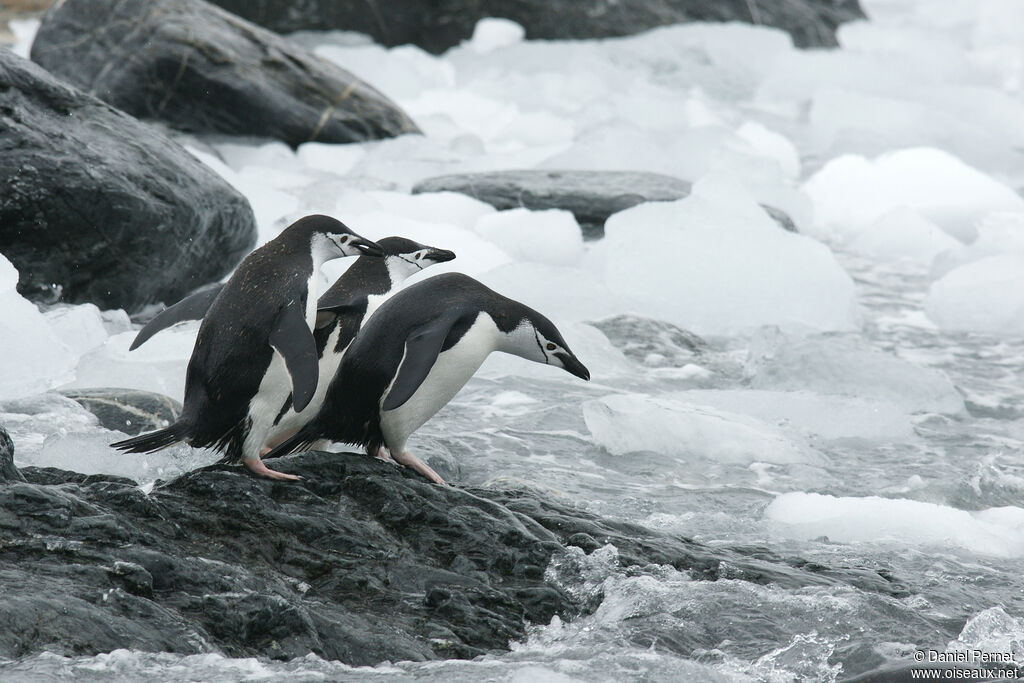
<point x="361" y="562"/>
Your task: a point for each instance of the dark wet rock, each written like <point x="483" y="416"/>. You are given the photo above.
<point x="127" y="410"/>
<point x="98" y="207"/>
<point x="591" y="196"/>
<point x="202" y="69"/>
<point x="436" y="26"/>
<point x="8" y="472"/>
<point x="360" y="562"/>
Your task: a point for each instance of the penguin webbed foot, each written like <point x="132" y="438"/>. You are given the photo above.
<point x="260" y="470"/>
<point x="409" y="460"/>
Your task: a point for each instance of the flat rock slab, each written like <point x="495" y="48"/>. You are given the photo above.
<point x="360" y="562"/>
<point x="591" y="196"/>
<point x="130" y="411"/>
<point x="437" y="26"/>
<point x="201" y="69"/>
<point x="99" y="207"/>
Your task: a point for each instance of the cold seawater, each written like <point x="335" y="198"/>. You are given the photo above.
<point x="854" y="397"/>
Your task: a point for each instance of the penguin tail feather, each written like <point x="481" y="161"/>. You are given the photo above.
<point x="154" y="441"/>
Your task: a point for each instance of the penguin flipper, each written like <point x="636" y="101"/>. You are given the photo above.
<point x="422" y="348"/>
<point x="293" y="340"/>
<point x="192" y="307"/>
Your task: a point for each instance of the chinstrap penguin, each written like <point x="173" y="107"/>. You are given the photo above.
<point x="346" y="306"/>
<point x="415" y="353"/>
<point x="257" y="334"/>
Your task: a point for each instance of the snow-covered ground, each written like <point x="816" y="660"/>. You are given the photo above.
<point x="861" y="401"/>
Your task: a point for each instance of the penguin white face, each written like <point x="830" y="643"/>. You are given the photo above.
<point x="339" y="244"/>
<point x="548" y="348"/>
<point x="407" y="263"/>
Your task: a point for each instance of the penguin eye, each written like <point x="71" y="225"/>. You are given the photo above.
<point x="419" y="255"/>
<point x="344" y="238"/>
<point x="551" y="347"/>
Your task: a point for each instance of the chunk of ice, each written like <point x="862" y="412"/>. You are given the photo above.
<point x="997" y="532"/>
<point x="632" y="423"/>
<point x="715" y="263"/>
<point x="552" y="236"/>
<point x="845" y="366"/>
<point x="492" y="33"/>
<point x="826" y="416"/>
<point x="983" y="296"/>
<point x="34" y="358"/>
<point x="903" y="233"/>
<point x="851" y="192"/>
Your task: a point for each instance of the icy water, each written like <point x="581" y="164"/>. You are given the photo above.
<point x="855" y="397"/>
<point x="858" y="479"/>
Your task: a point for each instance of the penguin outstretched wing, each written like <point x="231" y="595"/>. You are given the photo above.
<point x="192" y="307"/>
<point x="293" y="340"/>
<point x="422" y="347"/>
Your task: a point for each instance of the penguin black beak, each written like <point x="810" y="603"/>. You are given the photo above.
<point x="366" y="247"/>
<point x="574" y="366"/>
<point x="439" y="255"/>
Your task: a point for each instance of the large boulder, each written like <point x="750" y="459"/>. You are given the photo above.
<point x="436" y="25"/>
<point x="591" y="196"/>
<point x="98" y="207"/>
<point x="360" y="562"/>
<point x="202" y="69"/>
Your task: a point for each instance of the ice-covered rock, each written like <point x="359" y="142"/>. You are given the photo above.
<point x="851" y="191"/>
<point x="986" y="295"/>
<point x="715" y="263"/>
<point x="633" y="423"/>
<point x="199" y="68"/>
<point x="997" y="532"/>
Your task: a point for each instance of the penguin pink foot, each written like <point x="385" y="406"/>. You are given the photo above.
<point x="259" y="469"/>
<point x="385" y="456"/>
<point x="409" y="460"/>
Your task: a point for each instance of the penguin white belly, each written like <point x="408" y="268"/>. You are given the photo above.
<point x="292" y="422"/>
<point x="276" y="386"/>
<point x="265" y="405"/>
<point x="450" y="372"/>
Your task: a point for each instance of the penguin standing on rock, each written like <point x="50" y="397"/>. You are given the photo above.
<point x="256" y="345"/>
<point x="346" y="306"/>
<point x="415" y="353"/>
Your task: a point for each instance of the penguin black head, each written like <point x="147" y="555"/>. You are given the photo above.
<point x="331" y="238"/>
<point x="537" y="339"/>
<point x="407" y="257"/>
